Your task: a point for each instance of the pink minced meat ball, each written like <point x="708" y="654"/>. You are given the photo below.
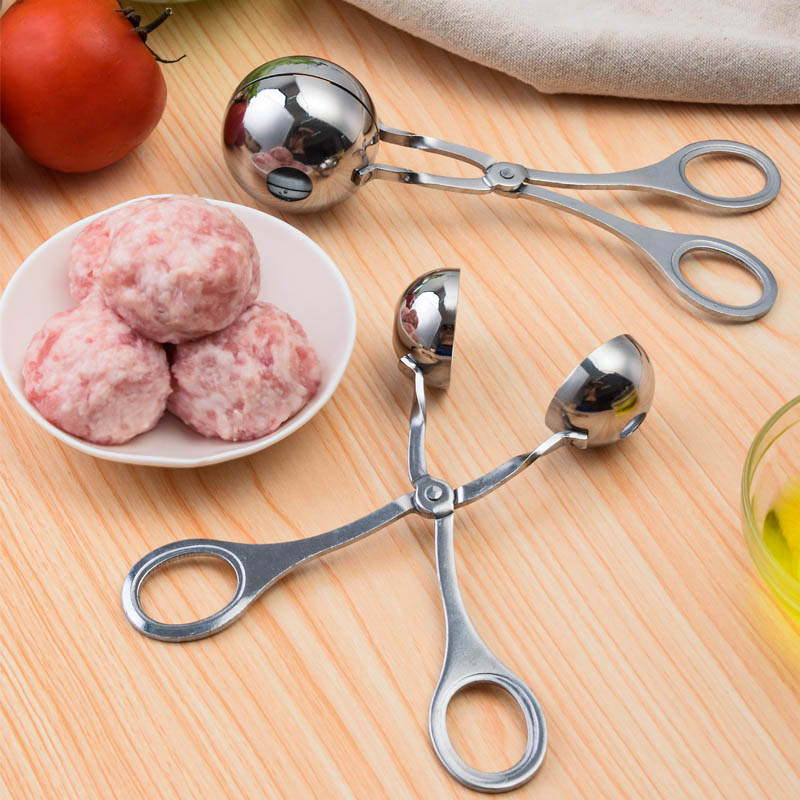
<point x="244" y="381"/>
<point x="180" y="268"/>
<point x="87" y="254"/>
<point x="92" y="376"/>
<point x="90" y="249"/>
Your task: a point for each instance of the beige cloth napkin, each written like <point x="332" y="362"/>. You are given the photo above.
<point x="714" y="51"/>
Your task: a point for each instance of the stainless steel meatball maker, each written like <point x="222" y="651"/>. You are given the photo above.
<point x="603" y="400"/>
<point x="301" y="134"/>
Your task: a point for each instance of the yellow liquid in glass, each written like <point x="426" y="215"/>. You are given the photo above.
<point x="782" y="529"/>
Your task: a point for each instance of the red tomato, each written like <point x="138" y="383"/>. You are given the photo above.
<point x="78" y="87"/>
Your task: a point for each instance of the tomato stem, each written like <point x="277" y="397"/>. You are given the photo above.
<point x="143" y="30"/>
<point x="129" y="13"/>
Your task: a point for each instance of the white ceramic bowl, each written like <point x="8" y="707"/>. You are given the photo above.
<point x="296" y="275"/>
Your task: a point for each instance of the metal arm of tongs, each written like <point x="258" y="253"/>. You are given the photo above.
<point x="259" y="566"/>
<point x="664" y="249"/>
<point x="467" y="659"/>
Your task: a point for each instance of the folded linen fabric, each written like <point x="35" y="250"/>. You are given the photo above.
<point x="713" y="51"/>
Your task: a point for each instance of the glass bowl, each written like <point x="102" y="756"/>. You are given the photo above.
<point x="772" y="463"/>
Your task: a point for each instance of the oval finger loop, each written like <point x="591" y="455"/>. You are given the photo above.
<point x="716" y="308"/>
<point x="184" y="631"/>
<point x="750" y="202"/>
<point x="536" y="740"/>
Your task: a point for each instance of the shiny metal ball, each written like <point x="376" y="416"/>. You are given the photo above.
<point x="425" y="325"/>
<point x="607" y="396"/>
<point x="295" y="130"/>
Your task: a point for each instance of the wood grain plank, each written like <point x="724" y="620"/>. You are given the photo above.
<point x="617" y="583"/>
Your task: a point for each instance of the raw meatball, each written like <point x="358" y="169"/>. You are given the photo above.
<point x="244" y="381"/>
<point x="180" y="268"/>
<point x="90" y="250"/>
<point x="92" y="376"/>
<point x="87" y="254"/>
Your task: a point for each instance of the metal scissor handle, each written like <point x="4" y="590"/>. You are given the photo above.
<point x="256" y="566"/>
<point x="247" y="562"/>
<point x="679" y="245"/>
<point x="668" y="176"/>
<point x="665" y="250"/>
<point x="469" y="662"/>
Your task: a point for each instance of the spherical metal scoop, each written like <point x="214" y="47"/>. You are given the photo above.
<point x="604" y="399"/>
<point x="301" y="134"/>
<point x="607" y="395"/>
<point x="425" y="325"/>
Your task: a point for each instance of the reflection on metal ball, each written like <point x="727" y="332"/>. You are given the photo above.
<point x="295" y="130"/>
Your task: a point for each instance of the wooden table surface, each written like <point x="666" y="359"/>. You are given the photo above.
<point x="616" y="583"/>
